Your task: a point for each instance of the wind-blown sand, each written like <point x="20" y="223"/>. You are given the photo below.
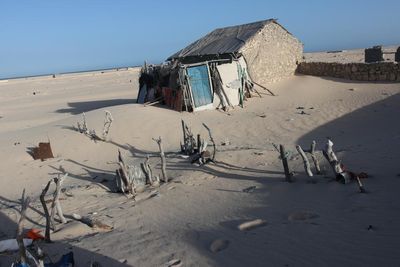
<point x="303" y="224"/>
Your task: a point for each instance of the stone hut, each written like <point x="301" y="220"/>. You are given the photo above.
<point x="223" y="68"/>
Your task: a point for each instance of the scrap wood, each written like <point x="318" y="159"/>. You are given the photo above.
<point x="92" y="223"/>
<point x="42" y="151"/>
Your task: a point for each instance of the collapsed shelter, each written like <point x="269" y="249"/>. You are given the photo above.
<point x="221" y="69"/>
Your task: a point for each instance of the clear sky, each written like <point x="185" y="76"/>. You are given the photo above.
<point x="52" y="36"/>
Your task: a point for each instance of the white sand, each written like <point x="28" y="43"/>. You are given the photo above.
<point x="204" y="204"/>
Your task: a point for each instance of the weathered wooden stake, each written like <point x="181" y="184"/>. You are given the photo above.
<point x="198" y="143"/>
<point x="46" y="212"/>
<point x="20" y="235"/>
<point x="305" y="161"/>
<point x="314" y="157"/>
<point x="288" y="175"/>
<point x="330" y="156"/>
<point x="107" y="124"/>
<point x="163" y="161"/>
<point x="212" y="140"/>
<point x="147" y="170"/>
<point x="360" y="185"/>
<point x="56" y="206"/>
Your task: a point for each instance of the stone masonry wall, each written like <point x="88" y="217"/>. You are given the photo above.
<point x="383" y="71"/>
<point x="272" y="54"/>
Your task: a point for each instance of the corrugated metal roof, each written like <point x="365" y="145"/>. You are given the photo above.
<point x="222" y="41"/>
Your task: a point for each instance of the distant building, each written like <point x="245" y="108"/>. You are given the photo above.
<point x="222" y="68"/>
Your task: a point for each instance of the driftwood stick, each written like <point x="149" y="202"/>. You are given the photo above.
<point x="314" y="157"/>
<point x="212" y="140"/>
<point x="288" y="175"/>
<point x="107" y="124"/>
<point x="56" y="206"/>
<point x="303" y="155"/>
<point x="337" y="169"/>
<point x="184" y="136"/>
<point x="123" y="172"/>
<point x="263" y="87"/>
<point x="147" y="170"/>
<point x="46" y="211"/>
<point x="360" y="185"/>
<point x="198" y="143"/>
<point x="163" y="161"/>
<point x="20" y="229"/>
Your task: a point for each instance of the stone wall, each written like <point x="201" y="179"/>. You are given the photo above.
<point x="383" y="71"/>
<point x="272" y="54"/>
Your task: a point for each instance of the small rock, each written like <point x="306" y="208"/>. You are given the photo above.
<point x="218" y="245"/>
<point x="300" y="108"/>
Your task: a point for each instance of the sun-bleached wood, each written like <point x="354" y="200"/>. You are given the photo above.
<point x="306" y="163"/>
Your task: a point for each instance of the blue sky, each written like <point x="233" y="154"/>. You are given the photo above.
<point x="52" y="36"/>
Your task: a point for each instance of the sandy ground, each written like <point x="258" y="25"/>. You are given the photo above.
<point x="348" y="56"/>
<point x="307" y="224"/>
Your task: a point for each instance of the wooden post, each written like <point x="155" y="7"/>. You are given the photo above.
<point x="20" y="234"/>
<point x="56" y="206"/>
<point x="360" y="185"/>
<point x="163" y="161"/>
<point x="212" y="140"/>
<point x="305" y="161"/>
<point x="314" y="157"/>
<point x="147" y="170"/>
<point x="288" y="175"/>
<point x="46" y="212"/>
<point x="198" y="143"/>
<point x="330" y="156"/>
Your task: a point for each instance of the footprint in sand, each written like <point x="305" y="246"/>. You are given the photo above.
<point x="302" y="216"/>
<point x="218" y="245"/>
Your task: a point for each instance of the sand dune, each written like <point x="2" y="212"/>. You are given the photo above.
<point x="305" y="224"/>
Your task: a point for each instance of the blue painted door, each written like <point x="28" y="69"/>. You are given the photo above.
<point x="200" y="85"/>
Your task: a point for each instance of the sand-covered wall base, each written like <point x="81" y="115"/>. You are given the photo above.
<point x="384" y="71"/>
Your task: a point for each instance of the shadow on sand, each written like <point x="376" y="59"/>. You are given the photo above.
<point x="339" y="234"/>
<point x="79" y="107"/>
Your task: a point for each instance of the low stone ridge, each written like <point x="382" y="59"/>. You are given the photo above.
<point x="380" y="72"/>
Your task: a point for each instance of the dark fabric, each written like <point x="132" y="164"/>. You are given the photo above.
<point x="222" y="41"/>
